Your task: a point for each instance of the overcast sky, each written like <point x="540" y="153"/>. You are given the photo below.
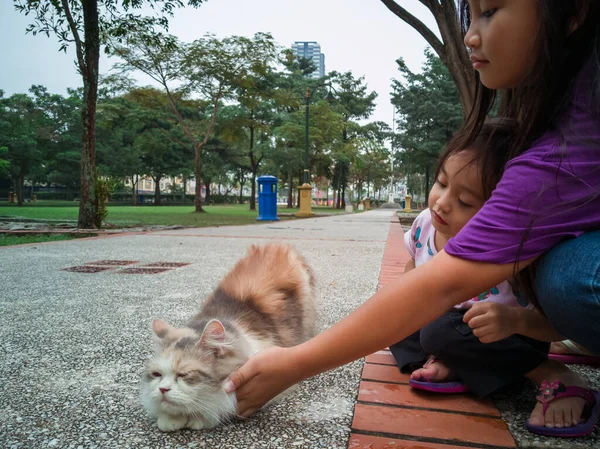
<point x="361" y="36"/>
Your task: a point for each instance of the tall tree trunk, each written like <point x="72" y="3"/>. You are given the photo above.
<point x="157" y="199"/>
<point x="88" y="64"/>
<point x="184" y="189"/>
<point x="334" y="202"/>
<point x="253" y="194"/>
<point x="20" y="184"/>
<point x="206" y="190"/>
<point x="451" y="49"/>
<point x="242" y="191"/>
<point x="134" y="181"/>
<point x="252" y="166"/>
<point x="198" y="189"/>
<point x="290" y="199"/>
<point x="427" y="179"/>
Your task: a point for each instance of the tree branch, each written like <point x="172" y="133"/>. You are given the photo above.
<point x="76" y="37"/>
<point x="427" y="34"/>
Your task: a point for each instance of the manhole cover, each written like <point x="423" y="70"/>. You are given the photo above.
<point x="143" y="270"/>
<point x="86" y="269"/>
<point x="112" y="263"/>
<point x="167" y="264"/>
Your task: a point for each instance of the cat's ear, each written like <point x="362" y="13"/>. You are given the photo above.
<point x="213" y="335"/>
<point x="161" y="328"/>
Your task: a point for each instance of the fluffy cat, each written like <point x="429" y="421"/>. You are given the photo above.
<point x="267" y="299"/>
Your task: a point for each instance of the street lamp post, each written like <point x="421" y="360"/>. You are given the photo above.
<point x="305" y="190"/>
<point x="307" y="96"/>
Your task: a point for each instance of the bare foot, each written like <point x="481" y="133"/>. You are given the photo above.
<point x="568" y="347"/>
<point x="564" y="412"/>
<point x="435" y="371"/>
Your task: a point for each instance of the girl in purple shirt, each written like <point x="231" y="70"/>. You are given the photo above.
<point x="542" y="222"/>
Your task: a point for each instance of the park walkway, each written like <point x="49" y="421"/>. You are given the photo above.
<point x="75" y="332"/>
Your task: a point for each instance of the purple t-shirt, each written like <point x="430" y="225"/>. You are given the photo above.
<point x="552" y="189"/>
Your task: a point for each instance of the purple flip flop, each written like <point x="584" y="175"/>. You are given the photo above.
<point x="576" y="358"/>
<point x="439" y="387"/>
<point x="591" y="412"/>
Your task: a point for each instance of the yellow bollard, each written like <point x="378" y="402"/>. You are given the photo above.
<point x="407" y="208"/>
<point x="305" y="211"/>
<point x="368" y="203"/>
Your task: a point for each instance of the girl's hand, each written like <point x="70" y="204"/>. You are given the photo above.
<point x="491" y="321"/>
<point x="263" y="377"/>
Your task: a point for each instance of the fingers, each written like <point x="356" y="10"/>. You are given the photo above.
<point x="477" y="322"/>
<point x="474" y="311"/>
<point x="235" y="380"/>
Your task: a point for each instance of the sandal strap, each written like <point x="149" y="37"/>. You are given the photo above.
<point x="429" y="361"/>
<point x="548" y="392"/>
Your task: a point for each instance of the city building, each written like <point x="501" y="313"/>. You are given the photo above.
<point x="311" y="50"/>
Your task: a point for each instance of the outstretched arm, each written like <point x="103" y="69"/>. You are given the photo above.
<point x="391" y="314"/>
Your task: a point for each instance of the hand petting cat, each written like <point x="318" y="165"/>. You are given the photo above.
<point x="263" y="377"/>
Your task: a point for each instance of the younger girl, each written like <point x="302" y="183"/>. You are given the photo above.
<point x="459" y="361"/>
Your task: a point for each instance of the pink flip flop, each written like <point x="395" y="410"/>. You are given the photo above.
<point x="556" y="390"/>
<point x="575" y="355"/>
<point x="576" y="359"/>
<point x="438" y="387"/>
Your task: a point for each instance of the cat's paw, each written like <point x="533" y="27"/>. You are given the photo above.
<point x="168" y="423"/>
<point x="195" y="424"/>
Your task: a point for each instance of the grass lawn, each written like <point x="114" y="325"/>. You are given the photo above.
<point x="7" y="240"/>
<point x="126" y="216"/>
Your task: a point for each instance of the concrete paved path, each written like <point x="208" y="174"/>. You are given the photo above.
<point x="73" y="344"/>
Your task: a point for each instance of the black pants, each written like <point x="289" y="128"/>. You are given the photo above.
<point x="484" y="368"/>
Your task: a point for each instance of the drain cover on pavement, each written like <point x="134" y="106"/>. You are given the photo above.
<point x="112" y="263"/>
<point x="167" y="264"/>
<point x="87" y="269"/>
<point x="142" y="270"/>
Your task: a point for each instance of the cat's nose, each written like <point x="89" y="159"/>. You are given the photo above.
<point x="164" y="390"/>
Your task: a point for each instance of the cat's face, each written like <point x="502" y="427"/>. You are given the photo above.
<point x="185" y="377"/>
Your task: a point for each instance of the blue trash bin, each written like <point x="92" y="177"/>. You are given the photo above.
<point x="267" y="198"/>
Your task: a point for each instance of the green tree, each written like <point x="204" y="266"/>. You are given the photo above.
<point x="90" y="25"/>
<point x="62" y="157"/>
<point x="209" y="68"/>
<point x="353" y="102"/>
<point x="450" y="49"/>
<point x="429" y="112"/>
<point x="4" y="163"/>
<point x="371" y="164"/>
<point x="23" y="131"/>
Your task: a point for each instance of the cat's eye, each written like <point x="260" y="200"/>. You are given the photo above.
<point x="182" y="374"/>
<point x="156" y="374"/>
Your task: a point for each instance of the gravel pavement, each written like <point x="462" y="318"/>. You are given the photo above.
<point x="73" y="344"/>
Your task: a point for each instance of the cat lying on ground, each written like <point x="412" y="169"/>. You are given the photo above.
<point x="267" y="299"/>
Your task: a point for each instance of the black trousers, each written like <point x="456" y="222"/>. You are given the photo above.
<point x="483" y="367"/>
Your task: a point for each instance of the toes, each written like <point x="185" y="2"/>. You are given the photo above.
<point x="576" y="412"/>
<point x="417" y="374"/>
<point x="549" y="417"/>
<point x="559" y="417"/>
<point x="537" y="416"/>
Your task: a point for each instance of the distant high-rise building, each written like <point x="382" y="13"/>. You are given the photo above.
<point x="311" y="51"/>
